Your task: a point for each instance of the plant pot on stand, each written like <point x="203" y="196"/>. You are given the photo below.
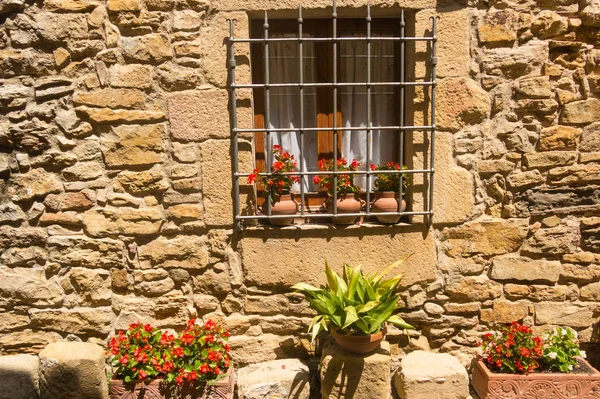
<point x="285" y="205"/>
<point x="387" y="201"/>
<point x="346" y="203"/>
<point x="359" y="344"/>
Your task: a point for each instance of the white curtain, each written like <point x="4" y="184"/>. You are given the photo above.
<point x="285" y="104"/>
<point x="354" y="102"/>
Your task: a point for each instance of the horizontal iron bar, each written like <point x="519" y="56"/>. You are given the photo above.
<point x="329" y="215"/>
<point x="337" y="39"/>
<point x="339" y="172"/>
<point x="334" y="85"/>
<point x="330" y="129"/>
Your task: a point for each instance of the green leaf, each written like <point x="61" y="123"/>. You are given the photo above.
<point x="367" y="306"/>
<point x="398" y="321"/>
<point x="305" y="287"/>
<point x="127" y="378"/>
<point x="351" y="316"/>
<point x="352" y="275"/>
<point x="332" y="278"/>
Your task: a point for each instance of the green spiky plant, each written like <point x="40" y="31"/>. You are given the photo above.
<point x="355" y="304"/>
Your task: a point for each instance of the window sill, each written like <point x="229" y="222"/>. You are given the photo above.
<point x="327" y="226"/>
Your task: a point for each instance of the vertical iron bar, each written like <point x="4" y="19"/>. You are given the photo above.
<point x="301" y="78"/>
<point x="267" y="118"/>
<point x="433" y="84"/>
<point x="234" y="136"/>
<point x="401" y="116"/>
<point x="335" y="132"/>
<point x="369" y="135"/>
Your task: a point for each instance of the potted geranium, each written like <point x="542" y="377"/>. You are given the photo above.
<point x="516" y="364"/>
<point x="278" y="186"/>
<point x="150" y="363"/>
<point x="386" y="187"/>
<point x="348" y="200"/>
<point x="355" y="308"/>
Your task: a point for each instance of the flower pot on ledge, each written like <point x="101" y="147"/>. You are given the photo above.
<point x="346" y="203"/>
<point x="158" y="389"/>
<point x="387" y="201"/>
<point x="359" y="344"/>
<point x="284" y="206"/>
<point x="489" y="385"/>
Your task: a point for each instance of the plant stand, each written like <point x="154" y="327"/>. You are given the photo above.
<point x="490" y="385"/>
<point x="348" y="375"/>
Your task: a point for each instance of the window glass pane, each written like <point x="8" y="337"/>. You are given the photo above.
<point x="353" y="100"/>
<point x="285" y="103"/>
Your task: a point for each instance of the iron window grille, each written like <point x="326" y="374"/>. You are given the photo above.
<point x="400" y="128"/>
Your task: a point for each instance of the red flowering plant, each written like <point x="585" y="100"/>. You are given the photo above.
<point x="345" y="181"/>
<point x="513" y="349"/>
<point x="200" y="353"/>
<point x="137" y="353"/>
<point x="389" y="181"/>
<point x="195" y="356"/>
<point x="277" y="184"/>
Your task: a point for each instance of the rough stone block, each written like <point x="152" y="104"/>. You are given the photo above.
<point x="285" y="378"/>
<point x="426" y="375"/>
<point x="73" y="370"/>
<point x="461" y="102"/>
<point x="524" y="269"/>
<point x="346" y="375"/>
<point x="19" y="377"/>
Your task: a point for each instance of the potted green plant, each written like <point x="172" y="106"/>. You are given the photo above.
<point x="515" y="364"/>
<point x="355" y="308"/>
<point x="348" y="200"/>
<point x="149" y="363"/>
<point x="278" y="186"/>
<point x="386" y="187"/>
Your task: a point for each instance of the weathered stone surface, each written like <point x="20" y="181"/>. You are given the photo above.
<point x="573" y="315"/>
<point x="85" y="252"/>
<point x="107" y="115"/>
<point x="187" y="252"/>
<point x="153" y="48"/>
<point x="124" y="5"/>
<point x="493" y="237"/>
<point x="28" y="286"/>
<point x="541" y="160"/>
<point x="70" y="5"/>
<point x="185" y="212"/>
<point x="444" y="377"/>
<point x="186" y="20"/>
<point x="559" y="137"/>
<point x="111" y="98"/>
<point x="129" y="221"/>
<point x="580" y="274"/>
<point x="168" y="310"/>
<point x="56" y="28"/>
<point x="131" y="75"/>
<point x="498" y="27"/>
<point x="278" y="378"/>
<point x="590" y="292"/>
<point x="24" y="62"/>
<point x="83" y="171"/>
<point x="93" y="286"/>
<point x="590" y="140"/>
<point x="536" y="106"/>
<point x="581" y="112"/>
<point x="495" y="166"/>
<point x="474" y="289"/>
<point x="141" y="183"/>
<point x="537" y="87"/>
<point x="60" y="218"/>
<point x="524" y="269"/>
<point x="69" y="201"/>
<point x="536" y="293"/>
<point x="548" y="24"/>
<point x="289" y="263"/>
<point x="525" y="179"/>
<point x="71" y="370"/>
<point x="133" y="145"/>
<point x="561" y="239"/>
<point x="574" y="175"/>
<point x="22" y="237"/>
<point x="11" y="213"/>
<point x="460" y="102"/>
<point x="199" y="115"/>
<point x="516" y="62"/>
<point x="36" y="183"/>
<point x="19" y="377"/>
<point x="29" y="256"/>
<point x="92" y="321"/>
<point x="356" y="376"/>
<point x="173" y="77"/>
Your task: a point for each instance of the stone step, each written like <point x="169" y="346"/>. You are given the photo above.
<point x="277" y="379"/>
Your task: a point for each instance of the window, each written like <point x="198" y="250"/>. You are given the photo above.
<point x="345" y="97"/>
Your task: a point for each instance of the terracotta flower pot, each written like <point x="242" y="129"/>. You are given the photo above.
<point x="360" y="344"/>
<point x="284" y="206"/>
<point x="535" y="385"/>
<point x="346" y="203"/>
<point x="387" y="201"/>
<point x="158" y="389"/>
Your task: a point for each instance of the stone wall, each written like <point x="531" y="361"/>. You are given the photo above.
<point x="116" y="200"/>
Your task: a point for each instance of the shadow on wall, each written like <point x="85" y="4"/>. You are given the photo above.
<point x="18" y="384"/>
